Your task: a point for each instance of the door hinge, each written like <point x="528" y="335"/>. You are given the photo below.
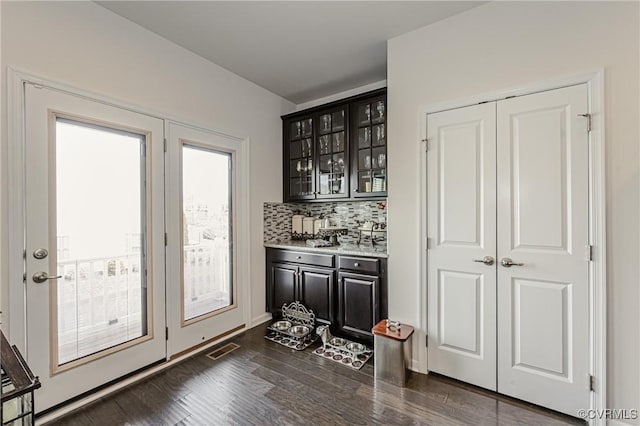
<point x="592" y="383"/>
<point x="426" y="144"/>
<point x="166" y="239"/>
<point x="164" y="144"/>
<point x="426" y="340"/>
<point x="166" y="333"/>
<point x="589" y="253"/>
<point x="588" y="117"/>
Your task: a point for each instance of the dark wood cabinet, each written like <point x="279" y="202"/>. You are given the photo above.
<point x="337" y="150"/>
<point x="358" y="309"/>
<point x="369" y="147"/>
<point x="283" y="280"/>
<point x="316" y="290"/>
<point x="348" y="292"/>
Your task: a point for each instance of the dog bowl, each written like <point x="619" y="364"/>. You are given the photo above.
<point x="356" y="348"/>
<point x="337" y="341"/>
<point x="281" y="325"/>
<point x="299" y="330"/>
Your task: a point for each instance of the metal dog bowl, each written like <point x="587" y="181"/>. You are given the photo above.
<point x="299" y="330"/>
<point x="337" y="341"/>
<point x="356" y="348"/>
<point x="281" y="325"/>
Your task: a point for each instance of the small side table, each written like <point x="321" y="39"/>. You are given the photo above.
<point x="392" y="351"/>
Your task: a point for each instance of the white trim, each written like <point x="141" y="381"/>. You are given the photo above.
<point x="261" y="319"/>
<point x="597" y="213"/>
<point x="130" y="380"/>
<point x="341" y="95"/>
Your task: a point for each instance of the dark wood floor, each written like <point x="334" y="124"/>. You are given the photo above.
<point x="265" y="383"/>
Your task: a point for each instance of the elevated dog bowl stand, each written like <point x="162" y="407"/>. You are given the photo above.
<point x="392" y="352"/>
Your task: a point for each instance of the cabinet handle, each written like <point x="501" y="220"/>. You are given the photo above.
<point x="355" y="265"/>
<point x="356" y="190"/>
<point x="298" y="257"/>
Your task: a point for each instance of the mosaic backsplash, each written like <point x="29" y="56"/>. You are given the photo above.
<point x="351" y="214"/>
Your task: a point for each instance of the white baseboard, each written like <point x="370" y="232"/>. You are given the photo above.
<point x="260" y="319"/>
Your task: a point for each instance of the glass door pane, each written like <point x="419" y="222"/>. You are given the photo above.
<point x="331" y="145"/>
<point x="206" y="231"/>
<point x="101" y="294"/>
<point x="371" y="152"/>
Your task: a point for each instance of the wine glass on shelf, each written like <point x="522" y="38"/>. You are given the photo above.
<point x="299" y="166"/>
<point x="382" y="158"/>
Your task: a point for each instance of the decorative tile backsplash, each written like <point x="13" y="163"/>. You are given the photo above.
<point x="277" y="217"/>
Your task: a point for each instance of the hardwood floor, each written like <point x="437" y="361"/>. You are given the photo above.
<point x="265" y="383"/>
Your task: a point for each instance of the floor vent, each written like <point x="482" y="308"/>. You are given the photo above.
<point x="223" y="350"/>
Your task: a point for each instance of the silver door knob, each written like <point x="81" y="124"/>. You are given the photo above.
<point x="40" y="277"/>
<point x="508" y="263"/>
<point x="487" y="260"/>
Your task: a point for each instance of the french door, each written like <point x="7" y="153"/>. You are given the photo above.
<point x="508" y="279"/>
<point x="202" y="257"/>
<point x="94" y="242"/>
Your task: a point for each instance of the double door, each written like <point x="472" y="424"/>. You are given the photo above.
<point x="508" y="229"/>
<point x="128" y="242"/>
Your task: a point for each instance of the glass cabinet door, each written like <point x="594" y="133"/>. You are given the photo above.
<point x="301" y="148"/>
<point x="331" y="145"/>
<point x="370" y="148"/>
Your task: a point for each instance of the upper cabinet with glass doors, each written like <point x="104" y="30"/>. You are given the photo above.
<point x="337" y="150"/>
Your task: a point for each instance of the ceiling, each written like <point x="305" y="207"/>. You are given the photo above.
<point x="300" y="50"/>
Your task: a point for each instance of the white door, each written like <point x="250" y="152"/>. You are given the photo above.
<point x="204" y="286"/>
<point x="94" y="254"/>
<point x="462" y="232"/>
<point x="543" y="304"/>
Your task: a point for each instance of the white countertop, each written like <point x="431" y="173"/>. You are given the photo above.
<point x="345" y="249"/>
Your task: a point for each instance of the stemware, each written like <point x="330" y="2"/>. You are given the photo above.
<point x="381" y="160"/>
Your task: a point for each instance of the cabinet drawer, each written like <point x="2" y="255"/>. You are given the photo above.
<point x="315" y="259"/>
<point x="359" y="264"/>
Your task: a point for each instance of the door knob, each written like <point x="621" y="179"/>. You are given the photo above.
<point x="508" y="263"/>
<point x="487" y="260"/>
<point x="40" y="277"/>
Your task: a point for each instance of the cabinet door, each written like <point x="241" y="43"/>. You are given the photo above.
<point x="282" y="285"/>
<point x="316" y="292"/>
<point x="358" y="308"/>
<point x="299" y="158"/>
<point x="369" y="142"/>
<point x="332" y="147"/>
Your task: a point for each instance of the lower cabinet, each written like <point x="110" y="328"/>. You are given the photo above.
<point x="283" y="280"/>
<point x="350" y="293"/>
<point x="316" y="291"/>
<point x="358" y="300"/>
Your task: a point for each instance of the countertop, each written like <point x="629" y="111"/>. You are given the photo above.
<point x="348" y="249"/>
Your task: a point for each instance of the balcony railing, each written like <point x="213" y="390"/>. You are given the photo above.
<point x="101" y="300"/>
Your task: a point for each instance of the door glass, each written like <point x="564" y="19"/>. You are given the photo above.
<point x="206" y="231"/>
<point x="100" y="230"/>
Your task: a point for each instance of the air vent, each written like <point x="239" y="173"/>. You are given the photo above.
<point x="223" y="350"/>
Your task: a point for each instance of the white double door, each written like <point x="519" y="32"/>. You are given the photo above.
<point x="129" y="251"/>
<point x="508" y="229"/>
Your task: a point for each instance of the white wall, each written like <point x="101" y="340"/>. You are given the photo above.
<point x="504" y="45"/>
<point x="87" y="46"/>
